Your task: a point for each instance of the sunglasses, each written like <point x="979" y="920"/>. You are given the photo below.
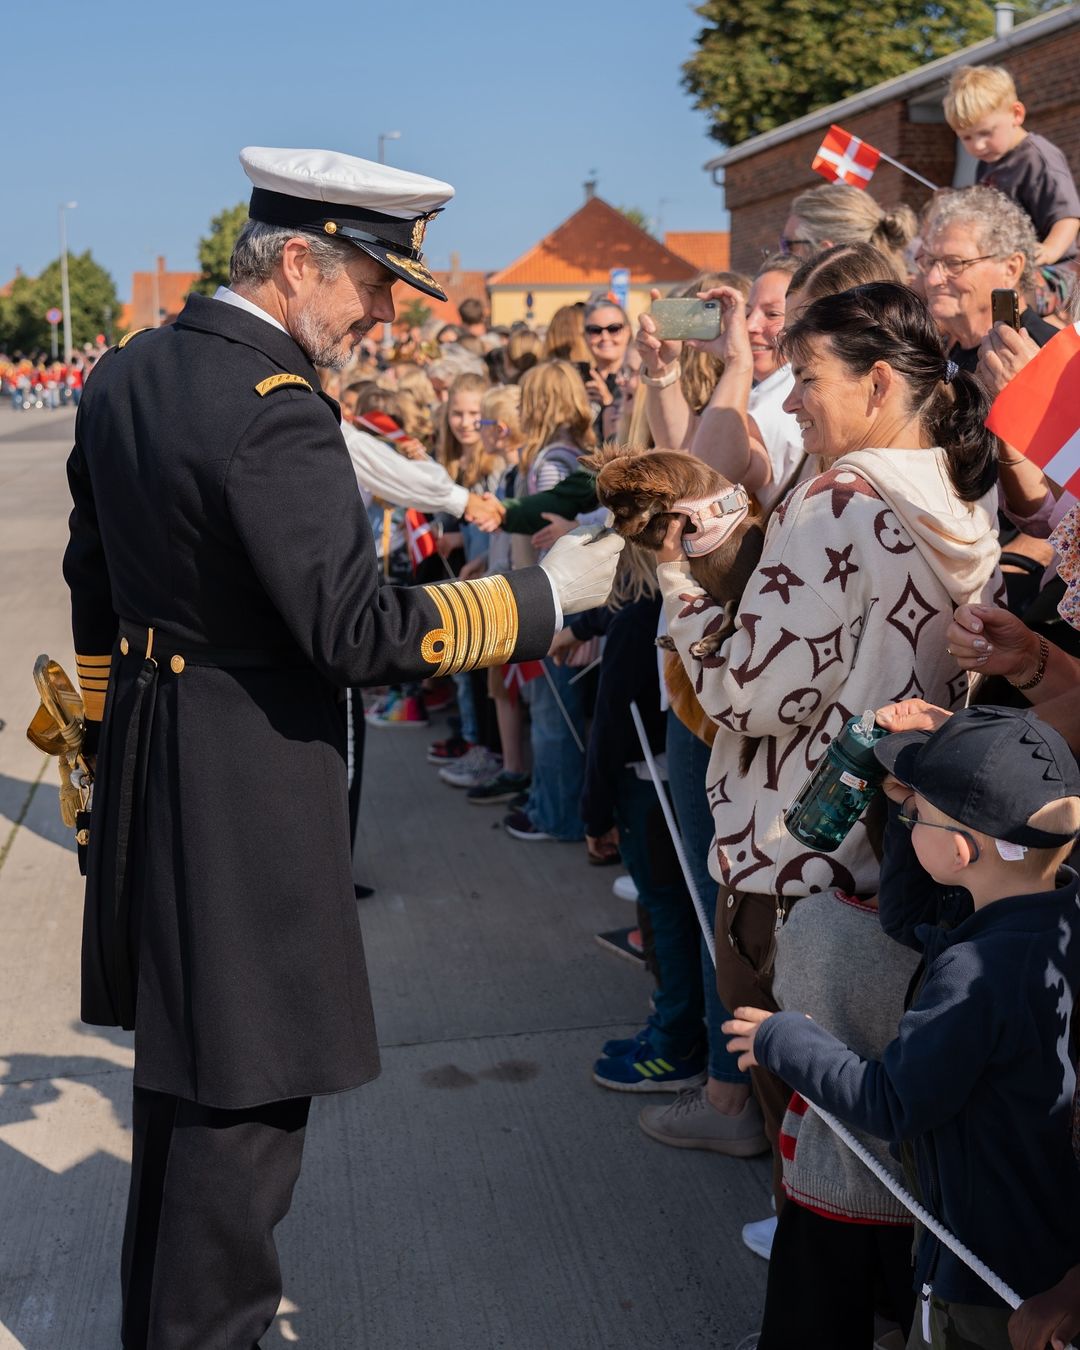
<point x="910" y="817"/>
<point x="595" y="329"/>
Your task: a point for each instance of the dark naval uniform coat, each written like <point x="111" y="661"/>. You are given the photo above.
<point x="215" y="505"/>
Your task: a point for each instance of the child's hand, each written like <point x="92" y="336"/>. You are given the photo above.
<point x="476" y="567"/>
<point x="741" y="1028"/>
<point x="911" y="714"/>
<point x="1053" y="1317"/>
<point x="895" y="790"/>
<point x="547" y="534"/>
<point x="486" y="512"/>
<point x="671" y="549"/>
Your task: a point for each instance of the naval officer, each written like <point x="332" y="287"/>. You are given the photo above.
<point x="224" y="588"/>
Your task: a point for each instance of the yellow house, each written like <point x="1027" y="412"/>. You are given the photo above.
<point x="576" y="259"/>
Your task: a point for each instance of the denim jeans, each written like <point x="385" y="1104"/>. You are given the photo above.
<point x="466" y="708"/>
<point x="688" y="766"/>
<point x="675" y="1028"/>
<point x="558" y="772"/>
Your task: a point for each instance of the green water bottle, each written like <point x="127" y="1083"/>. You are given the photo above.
<point x="840" y="788"/>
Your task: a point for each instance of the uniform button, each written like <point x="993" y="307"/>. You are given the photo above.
<point x="730" y="901"/>
<point x="176" y="664"/>
<point x="124" y="647"/>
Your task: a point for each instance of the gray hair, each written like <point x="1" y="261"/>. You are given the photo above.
<point x="997" y="222"/>
<point x="601" y="300"/>
<point x="454" y="363"/>
<point x="258" y="248"/>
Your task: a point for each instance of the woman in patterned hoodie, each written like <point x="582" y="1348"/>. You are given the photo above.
<point x="861" y="571"/>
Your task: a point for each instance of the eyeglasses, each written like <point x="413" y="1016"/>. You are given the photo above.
<point x="910" y="817"/>
<point x="487" y="422"/>
<point x="951" y="267"/>
<point x="790" y="245"/>
<point x="595" y="329"/>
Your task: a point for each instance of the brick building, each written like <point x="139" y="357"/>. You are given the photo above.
<point x="904" y="118"/>
<point x="156" y="297"/>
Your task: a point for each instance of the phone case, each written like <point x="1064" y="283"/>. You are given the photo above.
<point x="686" y="318"/>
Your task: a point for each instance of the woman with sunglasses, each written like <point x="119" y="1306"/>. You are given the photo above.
<point x="607" y="334"/>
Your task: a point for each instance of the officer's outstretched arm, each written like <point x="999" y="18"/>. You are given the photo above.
<point x="292" y="496"/>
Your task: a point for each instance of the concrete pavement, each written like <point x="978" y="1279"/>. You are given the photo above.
<point x="483" y="1192"/>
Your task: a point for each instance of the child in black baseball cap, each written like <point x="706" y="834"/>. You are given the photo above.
<point x="978" y="1084"/>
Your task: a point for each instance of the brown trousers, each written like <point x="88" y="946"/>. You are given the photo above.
<point x="745" y="951"/>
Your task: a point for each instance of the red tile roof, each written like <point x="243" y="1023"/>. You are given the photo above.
<point x="708" y="250"/>
<point x="585" y="247"/>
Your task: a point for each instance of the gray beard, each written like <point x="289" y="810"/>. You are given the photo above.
<point x="317" y="344"/>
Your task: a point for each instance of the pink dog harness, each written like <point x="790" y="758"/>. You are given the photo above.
<point x="713" y="519"/>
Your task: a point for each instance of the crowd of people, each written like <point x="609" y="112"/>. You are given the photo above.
<point x="913" y="565"/>
<point x="847" y="392"/>
<point x="38" y="381"/>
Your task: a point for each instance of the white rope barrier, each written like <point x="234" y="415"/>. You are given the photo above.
<point x="989" y="1277"/>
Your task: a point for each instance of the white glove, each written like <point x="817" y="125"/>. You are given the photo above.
<point x="582" y="566"/>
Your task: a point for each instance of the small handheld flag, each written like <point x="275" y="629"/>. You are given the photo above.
<point x="1038" y="411"/>
<point x="844" y="158"/>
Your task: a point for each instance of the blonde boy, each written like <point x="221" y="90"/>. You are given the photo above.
<point x="984" y="111"/>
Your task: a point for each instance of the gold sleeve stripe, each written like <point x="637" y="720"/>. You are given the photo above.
<point x="93" y="704"/>
<point x="478" y="625"/>
<point x="92" y="673"/>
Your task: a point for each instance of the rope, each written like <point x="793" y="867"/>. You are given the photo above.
<point x="989" y="1277"/>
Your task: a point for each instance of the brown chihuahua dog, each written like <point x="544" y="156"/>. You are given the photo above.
<point x="723" y="537"/>
<point x="724" y="534"/>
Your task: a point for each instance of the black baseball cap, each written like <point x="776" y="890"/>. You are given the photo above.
<point x="988" y="768"/>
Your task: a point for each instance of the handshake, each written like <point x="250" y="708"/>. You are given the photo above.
<point x="485" y="511"/>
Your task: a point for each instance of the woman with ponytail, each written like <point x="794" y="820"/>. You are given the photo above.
<point x="847" y="610"/>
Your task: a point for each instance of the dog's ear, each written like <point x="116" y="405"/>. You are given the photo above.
<point x="604" y="454"/>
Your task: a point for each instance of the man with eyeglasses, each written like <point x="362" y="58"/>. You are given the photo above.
<point x="975" y="241"/>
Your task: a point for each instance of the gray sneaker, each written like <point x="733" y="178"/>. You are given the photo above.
<point x="477" y="765"/>
<point x="691" y="1121"/>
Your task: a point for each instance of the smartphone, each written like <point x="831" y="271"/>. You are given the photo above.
<point x="686" y="318"/>
<point x="1005" y="307"/>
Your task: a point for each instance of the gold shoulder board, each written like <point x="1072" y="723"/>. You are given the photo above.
<point x="273" y="382"/>
<point x="128" y="336"/>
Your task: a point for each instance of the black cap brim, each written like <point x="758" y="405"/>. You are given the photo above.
<point x="408" y="269"/>
<point x="898" y="752"/>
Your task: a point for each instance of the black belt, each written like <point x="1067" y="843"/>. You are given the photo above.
<point x="168" y="650"/>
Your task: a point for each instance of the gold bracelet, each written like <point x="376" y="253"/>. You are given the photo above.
<point x="1044" y="657"/>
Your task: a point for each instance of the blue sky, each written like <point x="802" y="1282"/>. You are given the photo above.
<point x="512" y="103"/>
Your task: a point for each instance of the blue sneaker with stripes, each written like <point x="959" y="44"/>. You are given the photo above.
<point x="645" y="1070"/>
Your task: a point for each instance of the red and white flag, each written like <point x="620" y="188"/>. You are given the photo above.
<point x="518" y="675"/>
<point x="421" y="538"/>
<point x="1038" y="412"/>
<point x="843" y="158"/>
<point x="380" y="424"/>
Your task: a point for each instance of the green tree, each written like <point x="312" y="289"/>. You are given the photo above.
<point x="94" y="305"/>
<point x="415" y="314"/>
<point x="758" y="66"/>
<point x="215" y="248"/>
<point x="636" y="216"/>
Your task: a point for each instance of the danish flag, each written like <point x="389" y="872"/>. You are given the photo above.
<point x="419" y="534"/>
<point x="1038" y="411"/>
<point x="518" y="675"/>
<point x="843" y="158"/>
<point x="380" y="424"/>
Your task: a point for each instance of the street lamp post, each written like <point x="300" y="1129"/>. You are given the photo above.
<point x="385" y="136"/>
<point x="65" y="292"/>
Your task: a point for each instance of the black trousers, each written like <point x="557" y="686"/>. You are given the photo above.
<point x="827" y="1279"/>
<point x="199" y="1269"/>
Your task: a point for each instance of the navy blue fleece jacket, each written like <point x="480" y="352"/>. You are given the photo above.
<point x="980" y="1081"/>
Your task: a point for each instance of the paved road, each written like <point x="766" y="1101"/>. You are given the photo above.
<point x="483" y="1193"/>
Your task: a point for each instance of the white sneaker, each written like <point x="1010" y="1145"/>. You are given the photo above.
<point x="759" y="1236"/>
<point x="624" y="887"/>
<point x="477" y="765"/>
